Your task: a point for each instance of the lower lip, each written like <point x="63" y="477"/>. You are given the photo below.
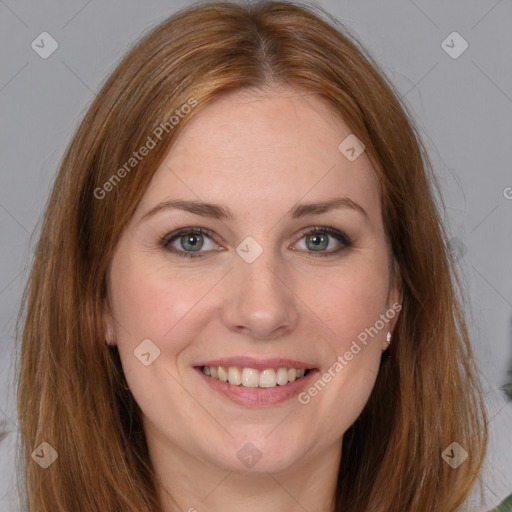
<point x="258" y="397"/>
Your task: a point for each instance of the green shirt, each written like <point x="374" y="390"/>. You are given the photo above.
<point x="504" y="506"/>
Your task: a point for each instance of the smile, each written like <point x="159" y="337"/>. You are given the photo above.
<point x="253" y="378"/>
<point x="254" y="382"/>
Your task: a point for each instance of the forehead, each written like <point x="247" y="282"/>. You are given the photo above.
<point x="256" y="151"/>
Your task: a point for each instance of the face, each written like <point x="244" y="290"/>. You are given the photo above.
<point x="268" y="285"/>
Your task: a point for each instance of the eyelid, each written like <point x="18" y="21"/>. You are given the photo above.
<point x="336" y="233"/>
<point x="339" y="235"/>
<point x="168" y="238"/>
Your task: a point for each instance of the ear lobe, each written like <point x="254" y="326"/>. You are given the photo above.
<point x="395" y="294"/>
<point x="108" y="324"/>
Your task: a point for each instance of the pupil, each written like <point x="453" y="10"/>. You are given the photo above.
<point x="317" y="241"/>
<point x="192" y="241"/>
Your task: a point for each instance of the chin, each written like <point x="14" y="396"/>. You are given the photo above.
<point x="260" y="453"/>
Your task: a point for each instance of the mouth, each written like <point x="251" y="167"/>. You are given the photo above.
<point x="254" y="378"/>
<point x="251" y="382"/>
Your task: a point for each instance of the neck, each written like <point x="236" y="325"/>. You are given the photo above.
<point x="192" y="485"/>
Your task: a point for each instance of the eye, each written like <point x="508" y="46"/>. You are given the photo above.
<point x="317" y="240"/>
<point x="190" y="241"/>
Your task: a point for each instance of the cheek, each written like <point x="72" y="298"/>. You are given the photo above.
<point x="169" y="309"/>
<point x="149" y="303"/>
<point x="349" y="306"/>
<point x="350" y="302"/>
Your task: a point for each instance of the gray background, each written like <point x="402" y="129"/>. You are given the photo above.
<point x="463" y="107"/>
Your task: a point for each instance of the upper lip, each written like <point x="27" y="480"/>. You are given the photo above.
<point x="257" y="364"/>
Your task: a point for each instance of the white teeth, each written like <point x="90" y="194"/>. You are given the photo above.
<point x="252" y="378"/>
<point x="234" y="376"/>
<point x="282" y="376"/>
<point x="223" y="376"/>
<point x="267" y="379"/>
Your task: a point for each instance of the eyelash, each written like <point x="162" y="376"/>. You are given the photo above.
<point x="167" y="240"/>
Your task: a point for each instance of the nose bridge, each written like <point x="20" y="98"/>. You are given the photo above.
<point x="258" y="300"/>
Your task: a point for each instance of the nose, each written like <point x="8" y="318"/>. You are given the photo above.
<point x="260" y="302"/>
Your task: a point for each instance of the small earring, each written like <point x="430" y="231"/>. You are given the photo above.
<point x="388" y="338"/>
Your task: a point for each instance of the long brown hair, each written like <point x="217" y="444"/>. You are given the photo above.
<point x="72" y="391"/>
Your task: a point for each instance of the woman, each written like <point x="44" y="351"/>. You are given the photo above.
<point x="242" y="295"/>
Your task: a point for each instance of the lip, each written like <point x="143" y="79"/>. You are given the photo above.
<point x="257" y="397"/>
<point x="257" y="364"/>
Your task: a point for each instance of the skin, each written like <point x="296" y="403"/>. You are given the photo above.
<point x="259" y="153"/>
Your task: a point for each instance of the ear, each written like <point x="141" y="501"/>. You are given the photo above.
<point x="394" y="301"/>
<point x="108" y="323"/>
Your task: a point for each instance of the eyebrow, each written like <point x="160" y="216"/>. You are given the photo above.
<point x="217" y="211"/>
